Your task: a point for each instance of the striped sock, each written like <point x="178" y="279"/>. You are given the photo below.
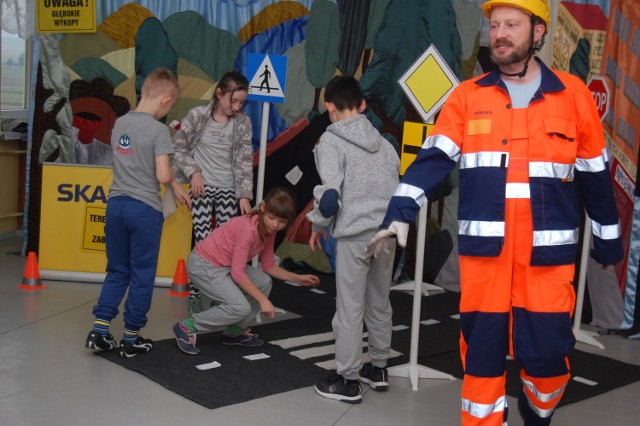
<point x="130" y="336"/>
<point x="101" y="326"/>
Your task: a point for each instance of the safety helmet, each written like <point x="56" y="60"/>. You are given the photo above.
<point x="539" y="8"/>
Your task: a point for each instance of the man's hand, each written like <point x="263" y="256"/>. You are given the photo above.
<point x="379" y="242"/>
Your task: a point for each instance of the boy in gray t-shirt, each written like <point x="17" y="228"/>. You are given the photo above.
<point x="141" y="147"/>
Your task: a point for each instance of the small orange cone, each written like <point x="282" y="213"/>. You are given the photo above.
<point x="180" y="285"/>
<point x="31" y="278"/>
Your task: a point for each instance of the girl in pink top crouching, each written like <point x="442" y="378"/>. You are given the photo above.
<point x="219" y="267"/>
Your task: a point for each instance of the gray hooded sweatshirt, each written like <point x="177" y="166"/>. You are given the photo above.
<point x="359" y="171"/>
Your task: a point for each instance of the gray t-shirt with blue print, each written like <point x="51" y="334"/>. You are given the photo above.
<point x="137" y="139"/>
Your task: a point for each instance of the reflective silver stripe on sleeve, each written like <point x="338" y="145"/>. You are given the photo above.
<point x="405" y="190"/>
<point x="518" y="190"/>
<point x="484" y="159"/>
<point x="606" y="232"/>
<point x="480" y="411"/>
<point x="545" y="169"/>
<point x="592" y="165"/>
<point x="443" y="143"/>
<point x="555" y="238"/>
<point x="477" y="228"/>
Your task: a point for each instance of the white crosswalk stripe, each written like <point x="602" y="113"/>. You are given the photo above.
<point x="322" y="351"/>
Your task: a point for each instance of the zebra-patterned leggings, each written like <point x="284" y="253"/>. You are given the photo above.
<point x="222" y="203"/>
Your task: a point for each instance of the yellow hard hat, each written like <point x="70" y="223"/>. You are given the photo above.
<point x="539" y="8"/>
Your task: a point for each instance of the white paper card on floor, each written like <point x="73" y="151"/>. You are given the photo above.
<point x="209" y="366"/>
<point x="585" y="381"/>
<point x="256" y="357"/>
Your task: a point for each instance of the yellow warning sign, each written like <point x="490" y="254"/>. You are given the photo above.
<point x="413" y="137"/>
<point x="94" y="221"/>
<point x="66" y="16"/>
<point x="428" y="83"/>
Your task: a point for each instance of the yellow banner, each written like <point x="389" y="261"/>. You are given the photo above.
<point x="66" y="16"/>
<point x="72" y="222"/>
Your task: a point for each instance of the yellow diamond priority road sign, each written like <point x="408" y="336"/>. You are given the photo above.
<point x="428" y="83"/>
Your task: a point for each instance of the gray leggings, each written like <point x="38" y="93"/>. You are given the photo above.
<point x="234" y="306"/>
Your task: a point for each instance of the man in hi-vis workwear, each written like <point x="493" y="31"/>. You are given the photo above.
<point x="532" y="153"/>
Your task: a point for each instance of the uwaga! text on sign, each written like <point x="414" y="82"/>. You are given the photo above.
<point x="66" y="16"/>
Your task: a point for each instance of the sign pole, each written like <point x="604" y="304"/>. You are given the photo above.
<point x="412" y="370"/>
<point x="427" y="100"/>
<point x="581" y="335"/>
<point x="262" y="158"/>
<point x="262" y="154"/>
<point x="267" y="77"/>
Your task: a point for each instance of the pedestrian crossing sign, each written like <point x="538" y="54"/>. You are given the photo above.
<point x="268" y="77"/>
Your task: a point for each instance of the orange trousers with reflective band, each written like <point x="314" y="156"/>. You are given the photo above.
<point x="508" y="307"/>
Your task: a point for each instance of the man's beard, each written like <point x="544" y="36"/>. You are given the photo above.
<point x="519" y="54"/>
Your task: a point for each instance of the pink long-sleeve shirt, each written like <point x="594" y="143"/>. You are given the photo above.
<point x="234" y="244"/>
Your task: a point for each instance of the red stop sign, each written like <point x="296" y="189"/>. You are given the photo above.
<point x="600" y="92"/>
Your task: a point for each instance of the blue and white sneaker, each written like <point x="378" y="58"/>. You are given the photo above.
<point x="245" y="338"/>
<point x="186" y="339"/>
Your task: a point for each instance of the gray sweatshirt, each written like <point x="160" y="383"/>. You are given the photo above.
<point x="359" y="171"/>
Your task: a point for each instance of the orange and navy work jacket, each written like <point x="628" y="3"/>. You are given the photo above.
<point x="567" y="168"/>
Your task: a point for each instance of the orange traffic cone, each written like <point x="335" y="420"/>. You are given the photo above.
<point x="31" y="278"/>
<point x="180" y="285"/>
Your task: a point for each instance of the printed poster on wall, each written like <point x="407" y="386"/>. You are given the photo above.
<point x="72" y="223"/>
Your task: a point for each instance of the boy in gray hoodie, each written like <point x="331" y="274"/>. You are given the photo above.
<point x="359" y="171"/>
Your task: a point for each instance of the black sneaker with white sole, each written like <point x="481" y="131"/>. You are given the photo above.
<point x="341" y="389"/>
<point x="377" y="378"/>
<point x="140" y="346"/>
<point x="100" y="342"/>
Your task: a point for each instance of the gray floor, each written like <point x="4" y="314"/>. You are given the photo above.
<point x="48" y="378"/>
